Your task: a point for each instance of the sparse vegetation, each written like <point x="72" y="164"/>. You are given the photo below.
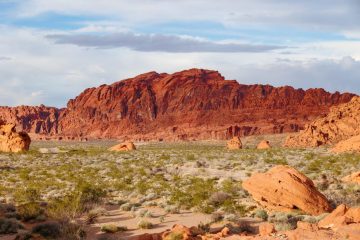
<point x="177" y="177"/>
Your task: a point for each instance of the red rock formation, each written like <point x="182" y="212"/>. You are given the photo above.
<point x="283" y="188"/>
<point x="189" y="105"/>
<point x="123" y="147"/>
<point x="32" y="119"/>
<point x="341" y="123"/>
<point x="234" y="143"/>
<point x="12" y="141"/>
<point x="192" y="104"/>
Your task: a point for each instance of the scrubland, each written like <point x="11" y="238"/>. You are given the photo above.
<point x="85" y="190"/>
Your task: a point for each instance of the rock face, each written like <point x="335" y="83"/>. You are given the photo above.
<point x="194" y="104"/>
<point x="234" y="143"/>
<point x="342" y="215"/>
<point x="352" y="178"/>
<point x="349" y="145"/>
<point x="123" y="147"/>
<point x="284" y="188"/>
<point x="264" y="144"/>
<point x="11" y="141"/>
<point x="342" y="123"/>
<point x="33" y="120"/>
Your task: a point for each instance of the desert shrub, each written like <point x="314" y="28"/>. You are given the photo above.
<point x="72" y="231"/>
<point x="205" y="227"/>
<point x="172" y="209"/>
<point x="261" y="214"/>
<point x="81" y="200"/>
<point x="143" y="224"/>
<point x="9" y="226"/>
<point x="231" y="187"/>
<point x="30" y="211"/>
<point x="126" y="207"/>
<point x="285" y="221"/>
<point x="231" y="217"/>
<point x="174" y="236"/>
<point x="218" y="198"/>
<point x="232" y="206"/>
<point x="49" y="230"/>
<point x="284" y="226"/>
<point x="195" y="193"/>
<point x="190" y="157"/>
<point x="90" y="195"/>
<point x="310" y="219"/>
<point x="112" y="228"/>
<point x="64" y="209"/>
<point x="27" y="195"/>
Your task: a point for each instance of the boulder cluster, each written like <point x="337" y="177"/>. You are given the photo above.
<point x="235" y="143"/>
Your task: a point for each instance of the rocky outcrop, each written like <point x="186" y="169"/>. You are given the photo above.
<point x="191" y="105"/>
<point x="352" y="178"/>
<point x="341" y="216"/>
<point x="342" y="123"/>
<point x="264" y="144"/>
<point x="349" y="145"/>
<point x="12" y="141"/>
<point x="194" y="104"/>
<point x="285" y="189"/>
<point x="123" y="147"/>
<point x="234" y="143"/>
<point x="32" y="119"/>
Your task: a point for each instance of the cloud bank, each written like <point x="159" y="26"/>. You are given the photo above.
<point x="155" y="43"/>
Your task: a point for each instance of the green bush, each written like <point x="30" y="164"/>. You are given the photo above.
<point x="29" y="211"/>
<point x="261" y="214"/>
<point x="112" y="228"/>
<point x="143" y="224"/>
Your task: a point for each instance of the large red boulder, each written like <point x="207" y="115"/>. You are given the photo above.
<point x="284" y="188"/>
<point x="12" y="141"/>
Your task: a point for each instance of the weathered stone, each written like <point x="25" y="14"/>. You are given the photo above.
<point x="284" y="188"/>
<point x="264" y="144"/>
<point x="234" y="143"/>
<point x="341" y="123"/>
<point x="12" y="141"/>
<point x="265" y="229"/>
<point x="126" y="146"/>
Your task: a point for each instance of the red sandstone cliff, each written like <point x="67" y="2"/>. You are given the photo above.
<point x="32" y="119"/>
<point x="192" y="104"/>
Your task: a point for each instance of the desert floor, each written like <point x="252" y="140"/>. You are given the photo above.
<point x="161" y="184"/>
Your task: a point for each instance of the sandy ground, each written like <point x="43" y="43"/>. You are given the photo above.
<point x="122" y="218"/>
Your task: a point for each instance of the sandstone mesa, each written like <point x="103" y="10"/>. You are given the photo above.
<point x="151" y="106"/>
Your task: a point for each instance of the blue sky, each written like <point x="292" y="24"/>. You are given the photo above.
<point x="51" y="50"/>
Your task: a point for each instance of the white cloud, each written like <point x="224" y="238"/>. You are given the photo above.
<point x="34" y="70"/>
<point x="317" y="15"/>
<point x="156" y="43"/>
